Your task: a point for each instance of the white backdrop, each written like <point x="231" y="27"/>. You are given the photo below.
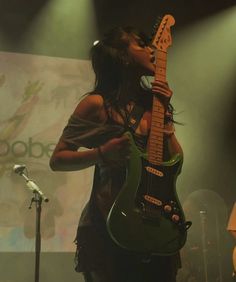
<point x="37" y="96"/>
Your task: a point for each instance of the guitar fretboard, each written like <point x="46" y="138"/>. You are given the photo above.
<point x="160" y="72"/>
<point x="156" y="137"/>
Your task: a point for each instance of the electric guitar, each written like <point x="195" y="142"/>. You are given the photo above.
<point x="146" y="216"/>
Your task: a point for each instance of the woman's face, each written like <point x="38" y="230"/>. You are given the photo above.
<point x="141" y="55"/>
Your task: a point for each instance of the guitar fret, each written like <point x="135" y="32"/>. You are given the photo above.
<point x="158" y="133"/>
<point x="157" y="115"/>
<point x="161" y="71"/>
<point x="160" y="156"/>
<point x="157" y="153"/>
<point x="159" y="149"/>
<point x="158" y="108"/>
<point x="156" y="161"/>
<point x="158" y="126"/>
<point x="157" y="120"/>
<point x="155" y="143"/>
<point x="161" y="63"/>
<point x="161" y="77"/>
<point x="161" y="55"/>
<point x="156" y="149"/>
<point x="156" y="137"/>
<point x="157" y="158"/>
<point x="159" y="145"/>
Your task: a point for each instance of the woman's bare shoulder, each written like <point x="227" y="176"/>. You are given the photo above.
<point x="91" y="107"/>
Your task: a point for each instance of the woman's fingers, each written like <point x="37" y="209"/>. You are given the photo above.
<point x="161" y="88"/>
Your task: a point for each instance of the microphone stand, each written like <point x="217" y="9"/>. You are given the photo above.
<point x="37" y="199"/>
<point x="38" y="203"/>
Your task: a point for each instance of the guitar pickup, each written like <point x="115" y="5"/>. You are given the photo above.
<point x="153" y="200"/>
<point x="154" y="171"/>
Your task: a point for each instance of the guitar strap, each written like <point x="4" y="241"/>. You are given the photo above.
<point x="135" y="117"/>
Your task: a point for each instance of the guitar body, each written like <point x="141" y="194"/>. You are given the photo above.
<point x="141" y="218"/>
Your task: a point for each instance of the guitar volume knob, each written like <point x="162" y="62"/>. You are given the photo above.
<point x="167" y="208"/>
<point x="175" y="218"/>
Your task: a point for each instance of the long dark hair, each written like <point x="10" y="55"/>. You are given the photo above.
<point x="109" y="61"/>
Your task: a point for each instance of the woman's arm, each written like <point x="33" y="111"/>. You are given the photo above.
<point x="174" y="146"/>
<point x="68" y="157"/>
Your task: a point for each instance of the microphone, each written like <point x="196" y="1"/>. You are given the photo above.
<point x="19" y="168"/>
<point x="33" y="186"/>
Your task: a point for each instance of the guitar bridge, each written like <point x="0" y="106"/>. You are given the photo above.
<point x="150" y="215"/>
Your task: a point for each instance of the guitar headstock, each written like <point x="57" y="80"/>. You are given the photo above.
<point x="162" y="38"/>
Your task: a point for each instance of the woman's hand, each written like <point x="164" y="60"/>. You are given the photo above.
<point x="162" y="88"/>
<point x="116" y="150"/>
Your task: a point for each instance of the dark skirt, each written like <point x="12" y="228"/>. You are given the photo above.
<point x="101" y="260"/>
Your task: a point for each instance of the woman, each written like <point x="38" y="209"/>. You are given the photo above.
<point x="98" y="123"/>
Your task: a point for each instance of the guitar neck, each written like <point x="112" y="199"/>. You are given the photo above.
<point x="161" y="59"/>
<point x="156" y="137"/>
